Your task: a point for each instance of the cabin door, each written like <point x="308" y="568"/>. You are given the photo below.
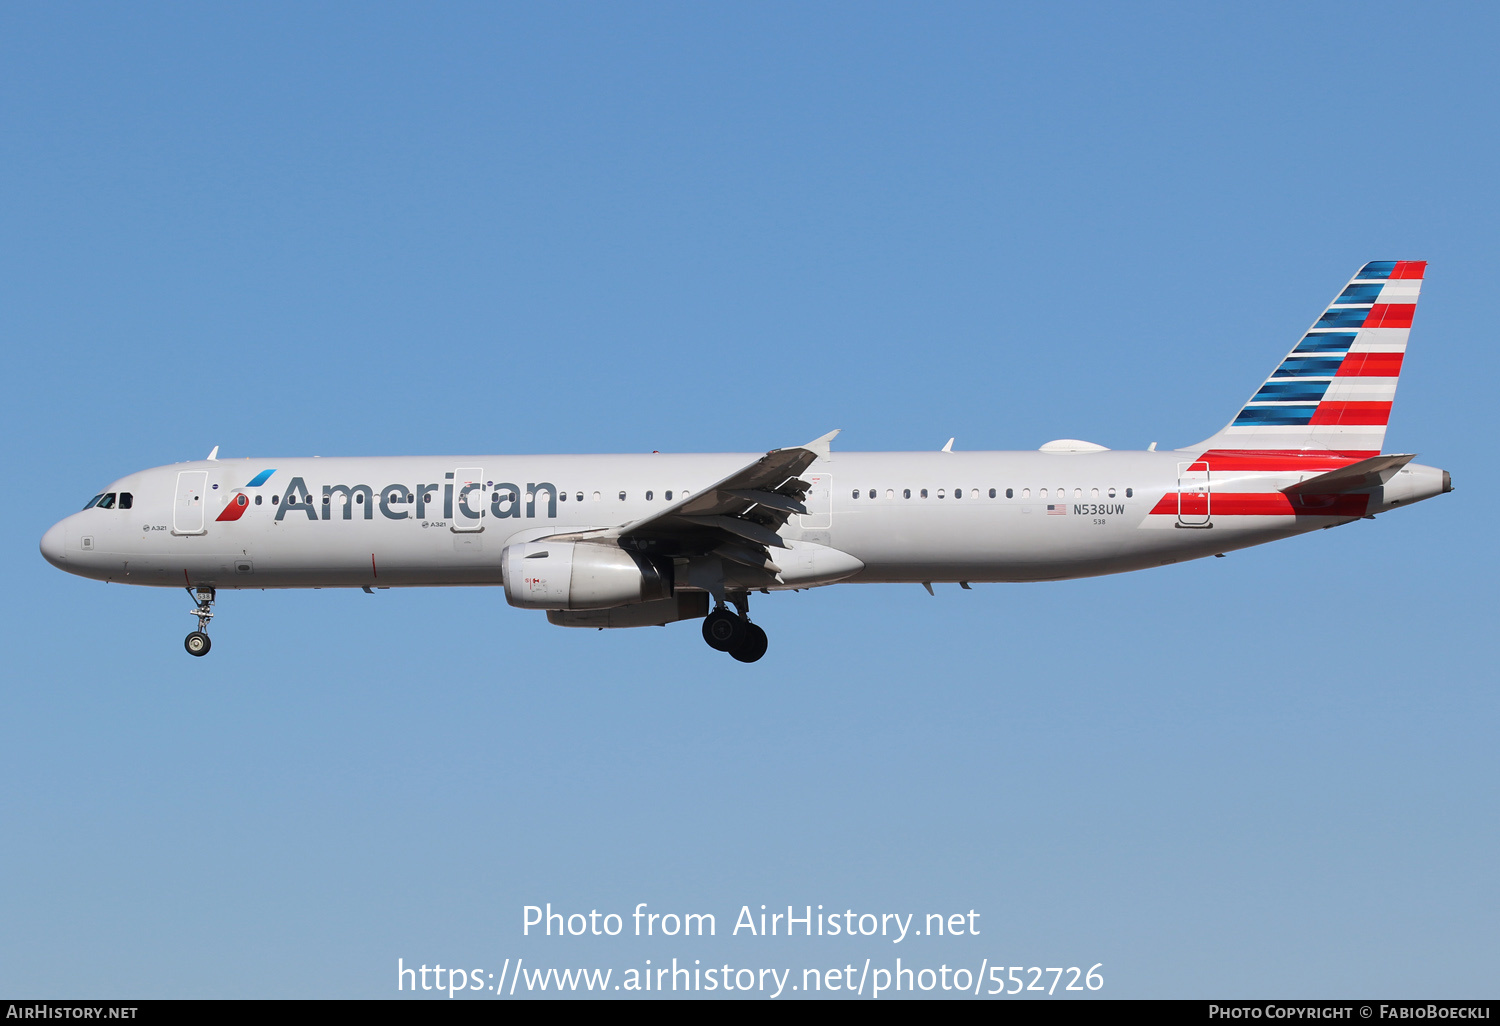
<point x="187" y="505"/>
<point x="1194" y="494"/>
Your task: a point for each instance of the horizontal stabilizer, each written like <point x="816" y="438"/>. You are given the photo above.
<point x="1370" y="473"/>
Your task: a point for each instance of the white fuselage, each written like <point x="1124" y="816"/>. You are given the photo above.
<point x="918" y="517"/>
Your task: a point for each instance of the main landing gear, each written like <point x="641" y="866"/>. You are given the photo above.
<point x="197" y="643"/>
<point x="734" y="633"/>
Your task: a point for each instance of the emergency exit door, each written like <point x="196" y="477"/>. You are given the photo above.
<point x="470" y="499"/>
<point x="819" y="503"/>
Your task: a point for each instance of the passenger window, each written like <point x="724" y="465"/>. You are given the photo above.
<point x="562" y="496"/>
<point x="1111" y="493"/>
<point x="872" y="493"/>
<point x="1077" y="493"/>
<point x="108" y="502"/>
<point x="1026" y="493"/>
<point x="1010" y="493"/>
<point x="669" y="496"/>
<point x="906" y="493"/>
<point x="890" y="493"/>
<point x="856" y="493"/>
<point x="596" y="496"/>
<point x="258" y="498"/>
<point x="578" y="497"/>
<point x="1042" y="494"/>
<point x="1093" y="493"/>
<point x="1129" y="493"/>
<point x="622" y="496"/>
<point x="648" y="496"/>
<point x="940" y="493"/>
<point x="992" y="493"/>
<point x="924" y="493"/>
<point x="958" y="493"/>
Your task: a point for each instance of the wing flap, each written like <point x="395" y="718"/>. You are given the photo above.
<point x="746" y="555"/>
<point x="773" y="500"/>
<point x="746" y="529"/>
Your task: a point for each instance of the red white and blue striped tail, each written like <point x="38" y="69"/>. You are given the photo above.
<point x="1333" y="392"/>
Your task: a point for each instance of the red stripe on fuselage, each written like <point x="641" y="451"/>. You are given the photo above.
<point x="1371" y="365"/>
<point x="1390" y="315"/>
<point x="1272" y="504"/>
<point x="1287" y="461"/>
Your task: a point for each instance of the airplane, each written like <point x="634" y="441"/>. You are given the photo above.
<point x="615" y="541"/>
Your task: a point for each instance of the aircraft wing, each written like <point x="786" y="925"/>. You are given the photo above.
<point x="737" y="517"/>
<point x="1370" y="473"/>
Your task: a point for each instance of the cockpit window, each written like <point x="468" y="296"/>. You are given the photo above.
<point x="107" y="502"/>
<point x="94" y="500"/>
<point x="126" y="500"/>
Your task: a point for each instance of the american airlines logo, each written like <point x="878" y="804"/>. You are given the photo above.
<point x="407" y="502"/>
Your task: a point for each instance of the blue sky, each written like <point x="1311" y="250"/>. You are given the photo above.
<point x="340" y="230"/>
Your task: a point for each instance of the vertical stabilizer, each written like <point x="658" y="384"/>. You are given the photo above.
<point x="1334" y="390"/>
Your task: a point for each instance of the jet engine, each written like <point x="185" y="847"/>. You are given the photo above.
<point x="579" y="575"/>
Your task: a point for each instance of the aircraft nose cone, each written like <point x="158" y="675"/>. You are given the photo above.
<point x="53" y="549"/>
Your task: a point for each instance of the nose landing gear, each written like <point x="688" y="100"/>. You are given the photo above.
<point x="197" y="643"/>
<point x="734" y="633"/>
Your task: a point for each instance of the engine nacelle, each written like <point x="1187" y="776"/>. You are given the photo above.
<point x="685" y="605"/>
<point x="579" y="575"/>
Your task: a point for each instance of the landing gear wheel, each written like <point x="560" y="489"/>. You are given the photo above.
<point x="754" y="645"/>
<point x="723" y="630"/>
<point x="197" y="643"/>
